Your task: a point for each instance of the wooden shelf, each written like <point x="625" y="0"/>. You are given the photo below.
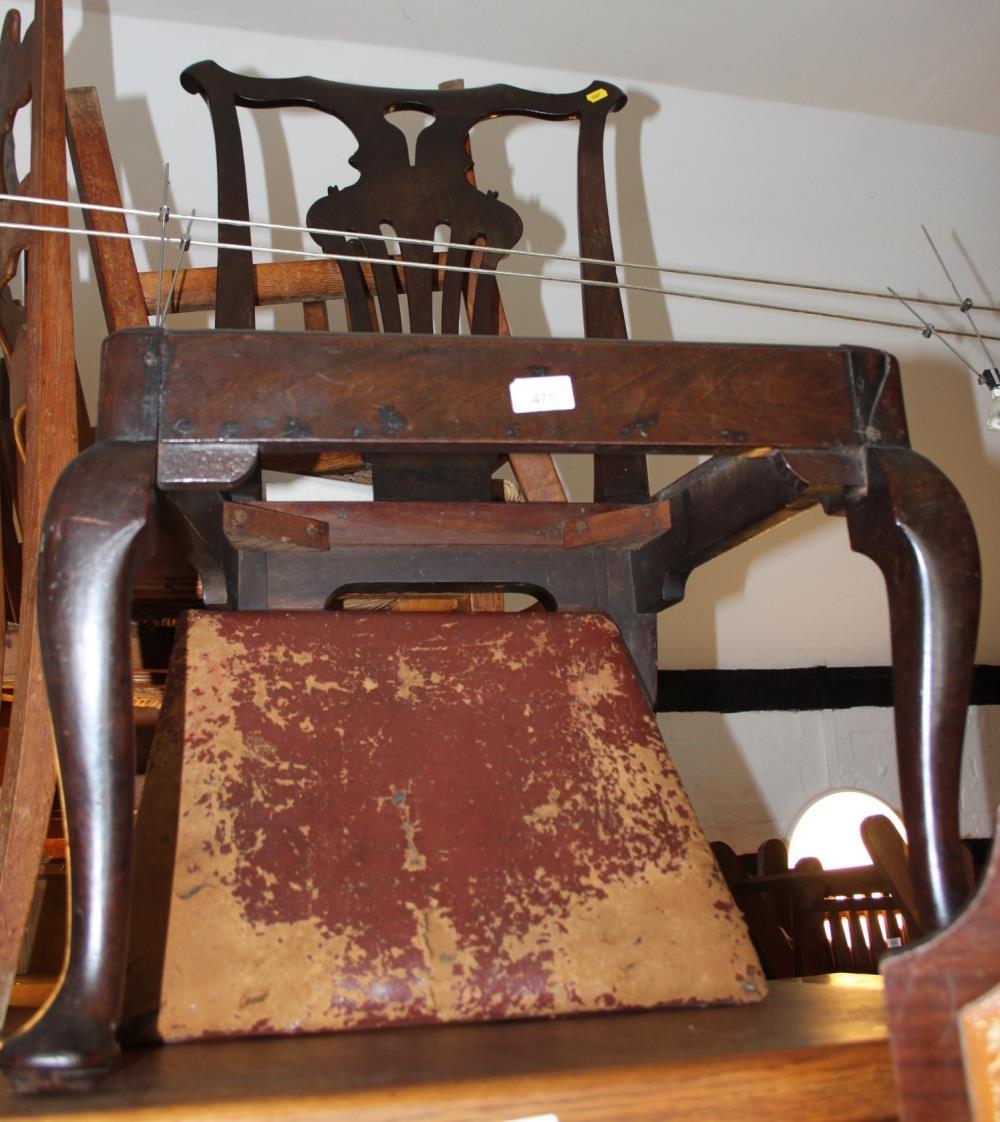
<point x="810" y="1052"/>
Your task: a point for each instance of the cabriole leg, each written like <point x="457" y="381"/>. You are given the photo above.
<point x="913" y="524"/>
<point x="95" y="535"/>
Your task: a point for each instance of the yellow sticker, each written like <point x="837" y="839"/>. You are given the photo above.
<point x="597" y="95"/>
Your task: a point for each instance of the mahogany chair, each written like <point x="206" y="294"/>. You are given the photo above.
<point x="42" y="417"/>
<point x="130" y="296"/>
<point x="186" y="416"/>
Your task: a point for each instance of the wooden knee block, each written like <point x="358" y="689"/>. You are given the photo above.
<point x="357" y="819"/>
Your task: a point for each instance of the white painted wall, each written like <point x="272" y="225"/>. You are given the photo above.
<point x="750" y="774"/>
<point x="699" y="180"/>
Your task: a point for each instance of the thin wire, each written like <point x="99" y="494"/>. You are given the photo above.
<point x="469" y="269"/>
<point x="182" y="249"/>
<point x="964" y="304"/>
<point x="930" y="329"/>
<point x="741" y="278"/>
<point x="164" y="217"/>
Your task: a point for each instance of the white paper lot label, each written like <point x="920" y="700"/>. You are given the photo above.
<point x="544" y="394"/>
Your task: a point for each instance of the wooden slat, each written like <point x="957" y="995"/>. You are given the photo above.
<point x="279" y="282"/>
<point x="537" y="477"/>
<point x="521" y="525"/>
<point x="628" y="523"/>
<point x="250" y="526"/>
<point x="114" y="262"/>
<point x="31" y="991"/>
<point x="46" y="347"/>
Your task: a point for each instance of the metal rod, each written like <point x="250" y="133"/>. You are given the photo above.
<point x="469" y="269"/>
<point x="930" y="329"/>
<point x="164" y="217"/>
<point x="965" y="304"/>
<point x="185" y="245"/>
<point x="741" y="278"/>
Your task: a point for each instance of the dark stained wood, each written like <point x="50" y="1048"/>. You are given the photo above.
<point x="415" y="476"/>
<point x="772" y="942"/>
<point x="536" y="474"/>
<point x="790" y="427"/>
<point x="84" y="566"/>
<point x="391" y="189"/>
<point x="438" y="188"/>
<point x="128" y="296"/>
<point x="616" y="478"/>
<point x="42" y="388"/>
<point x="781" y="484"/>
<point x="262" y="527"/>
<point x="316" y="463"/>
<point x="728" y="499"/>
<point x="912" y="523"/>
<point x="812" y="1053"/>
<point x="540" y="525"/>
<point x="772" y="857"/>
<point x="295" y="390"/>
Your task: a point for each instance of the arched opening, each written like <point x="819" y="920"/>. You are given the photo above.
<point x="829" y="828"/>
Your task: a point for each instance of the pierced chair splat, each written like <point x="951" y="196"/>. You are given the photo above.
<point x="186" y="416"/>
<point x="414" y="200"/>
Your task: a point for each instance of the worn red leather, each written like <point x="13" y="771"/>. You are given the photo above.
<point x="374" y="818"/>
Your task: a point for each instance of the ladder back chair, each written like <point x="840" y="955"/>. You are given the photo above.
<point x="185" y="418"/>
<point x="42" y="418"/>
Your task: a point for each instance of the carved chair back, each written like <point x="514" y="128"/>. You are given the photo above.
<point x="413" y="201"/>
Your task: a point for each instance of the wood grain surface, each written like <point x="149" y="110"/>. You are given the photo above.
<point x="809" y="1053"/>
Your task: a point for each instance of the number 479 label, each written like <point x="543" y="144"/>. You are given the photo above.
<point x="544" y="394"/>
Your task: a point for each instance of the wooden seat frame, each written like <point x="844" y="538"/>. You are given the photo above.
<point x="185" y="417"/>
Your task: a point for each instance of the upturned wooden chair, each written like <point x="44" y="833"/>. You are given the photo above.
<point x="130" y="296"/>
<point x="186" y="416"/>
<point x="42" y="419"/>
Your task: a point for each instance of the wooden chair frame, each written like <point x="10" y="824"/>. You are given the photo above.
<point x="129" y="296"/>
<point x="788" y="427"/>
<point x="42" y="383"/>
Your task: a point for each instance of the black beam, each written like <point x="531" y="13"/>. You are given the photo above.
<point x="815" y="687"/>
